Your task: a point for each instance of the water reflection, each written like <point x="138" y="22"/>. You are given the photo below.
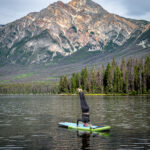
<point x="85" y="140"/>
<point x="89" y="137"/>
<point x="31" y="122"/>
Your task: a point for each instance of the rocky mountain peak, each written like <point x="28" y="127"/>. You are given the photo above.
<point x="58" y="3"/>
<point x="63" y="29"/>
<point x="87" y="5"/>
<point x="79" y="3"/>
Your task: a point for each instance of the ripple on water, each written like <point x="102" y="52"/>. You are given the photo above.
<point x="142" y="143"/>
<point x="11" y="147"/>
<point x="17" y="137"/>
<point x="136" y="146"/>
<point x="30" y="118"/>
<point x="39" y="135"/>
<point x="16" y="115"/>
<point x="12" y="140"/>
<point x="4" y="125"/>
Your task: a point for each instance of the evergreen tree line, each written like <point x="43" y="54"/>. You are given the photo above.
<point x="131" y="76"/>
<point x="28" y="88"/>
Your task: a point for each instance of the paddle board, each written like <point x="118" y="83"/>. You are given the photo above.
<point x="93" y="128"/>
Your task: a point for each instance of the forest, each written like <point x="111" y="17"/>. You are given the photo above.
<point x="130" y="76"/>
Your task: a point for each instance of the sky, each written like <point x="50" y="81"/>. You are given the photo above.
<point x="10" y="10"/>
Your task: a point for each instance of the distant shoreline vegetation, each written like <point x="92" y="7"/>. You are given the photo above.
<point x="131" y="77"/>
<point x="28" y="88"/>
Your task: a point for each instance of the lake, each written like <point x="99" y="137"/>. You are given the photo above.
<point x="31" y="122"/>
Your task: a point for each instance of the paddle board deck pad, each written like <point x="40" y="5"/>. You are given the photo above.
<point x="83" y="128"/>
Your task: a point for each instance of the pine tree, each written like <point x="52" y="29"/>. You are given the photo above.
<point x="130" y="68"/>
<point x="65" y="84"/>
<point x="138" y="78"/>
<point x="123" y="67"/>
<point x="84" y="79"/>
<point x="143" y="76"/>
<point x="113" y="62"/>
<point x="73" y="83"/>
<point x="99" y="81"/>
<point x="125" y="83"/>
<point x="124" y="71"/>
<point x="93" y="81"/>
<point x="118" y="80"/>
<point x="61" y="88"/>
<point x="113" y="67"/>
<point x="78" y="82"/>
<point x="147" y="73"/>
<point x="107" y="79"/>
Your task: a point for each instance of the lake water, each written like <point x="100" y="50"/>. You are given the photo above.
<point x="31" y="122"/>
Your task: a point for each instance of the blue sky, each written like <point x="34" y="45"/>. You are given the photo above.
<point x="11" y="10"/>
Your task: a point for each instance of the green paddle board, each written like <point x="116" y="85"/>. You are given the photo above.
<point x="83" y="128"/>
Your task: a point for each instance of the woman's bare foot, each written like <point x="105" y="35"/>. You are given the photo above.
<point x="79" y="90"/>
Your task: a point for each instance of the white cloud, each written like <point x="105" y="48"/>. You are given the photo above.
<point x="136" y="9"/>
<point x="11" y="10"/>
<point x="113" y="6"/>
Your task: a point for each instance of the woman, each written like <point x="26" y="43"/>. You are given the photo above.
<point x="85" y="109"/>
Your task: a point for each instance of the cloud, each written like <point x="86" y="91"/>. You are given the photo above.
<point x="113" y="6"/>
<point x="11" y="10"/>
<point x="137" y="7"/>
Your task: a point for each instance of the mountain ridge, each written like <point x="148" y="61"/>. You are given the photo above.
<point x="62" y="29"/>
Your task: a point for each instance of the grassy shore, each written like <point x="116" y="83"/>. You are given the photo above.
<point x="102" y="94"/>
<point x="75" y="94"/>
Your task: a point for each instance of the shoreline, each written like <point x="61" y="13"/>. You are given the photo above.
<point x="99" y="94"/>
<point x="48" y="94"/>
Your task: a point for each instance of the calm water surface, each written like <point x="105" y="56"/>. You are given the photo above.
<point x="31" y="122"/>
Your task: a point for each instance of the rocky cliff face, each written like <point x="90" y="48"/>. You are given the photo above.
<point x="62" y="29"/>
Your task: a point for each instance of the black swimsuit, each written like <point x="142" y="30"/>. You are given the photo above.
<point x="84" y="105"/>
<point x="84" y="108"/>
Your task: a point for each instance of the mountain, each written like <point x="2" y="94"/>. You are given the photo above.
<point x="1" y="26"/>
<point x="61" y="31"/>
